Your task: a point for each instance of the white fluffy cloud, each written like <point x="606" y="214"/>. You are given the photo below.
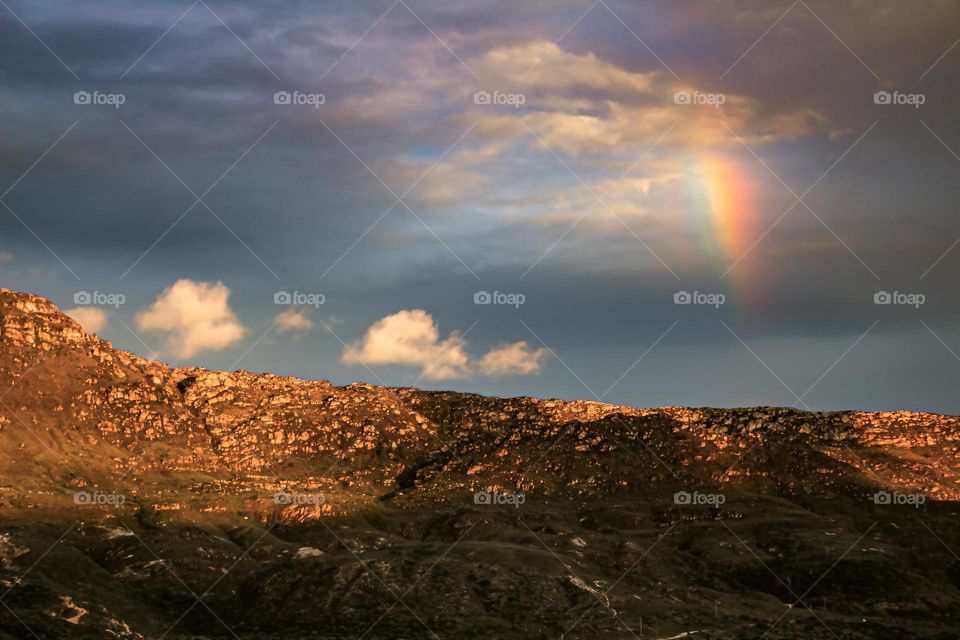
<point x="513" y="359"/>
<point x="293" y="320"/>
<point x="92" y="319"/>
<point x="196" y="317"/>
<point x="411" y="337"/>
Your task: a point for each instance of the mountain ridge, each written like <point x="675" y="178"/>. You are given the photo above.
<point x="241" y="420"/>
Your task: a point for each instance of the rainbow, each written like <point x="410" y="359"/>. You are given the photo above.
<point x="730" y="199"/>
<point x="723" y="202"/>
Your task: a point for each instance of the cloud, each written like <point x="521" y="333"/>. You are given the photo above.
<point x="545" y="65"/>
<point x="5" y="257"/>
<point x="581" y="103"/>
<point x="293" y="320"/>
<point x="195" y="315"/>
<point x="92" y="319"/>
<point x="513" y="359"/>
<point x="441" y="184"/>
<point x="411" y="337"/>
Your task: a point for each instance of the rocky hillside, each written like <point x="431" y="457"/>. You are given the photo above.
<point x="267" y="506"/>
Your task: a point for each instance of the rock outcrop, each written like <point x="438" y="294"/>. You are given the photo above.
<point x="85" y="412"/>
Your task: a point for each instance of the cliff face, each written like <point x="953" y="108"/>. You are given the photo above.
<point x="243" y="474"/>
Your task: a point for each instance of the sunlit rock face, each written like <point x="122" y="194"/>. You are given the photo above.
<point x="156" y="418"/>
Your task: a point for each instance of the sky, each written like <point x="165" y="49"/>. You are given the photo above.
<point x="719" y="203"/>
